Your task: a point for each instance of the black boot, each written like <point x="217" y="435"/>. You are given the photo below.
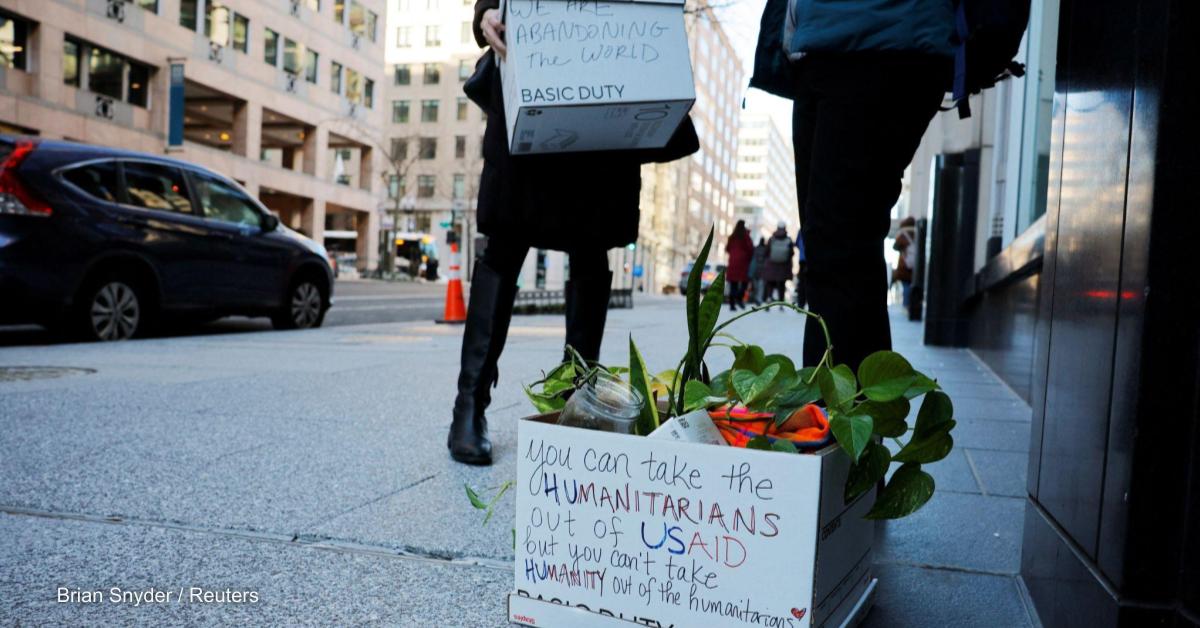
<point x="488" y="314"/>
<point x="587" y="310"/>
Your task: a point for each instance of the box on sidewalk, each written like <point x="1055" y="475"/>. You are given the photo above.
<point x="586" y="75"/>
<point x="612" y="529"/>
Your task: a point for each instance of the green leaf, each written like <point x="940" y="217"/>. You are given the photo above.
<point x="722" y="383"/>
<point x="640" y="380"/>
<point x="795" y="393"/>
<point x="837" y="385"/>
<point x="885" y="375"/>
<point x="927" y="448"/>
<point x="936" y="414"/>
<point x="474" y="497"/>
<point x="890" y="416"/>
<point x="787" y="368"/>
<point x="904" y="494"/>
<point x="694" y="355"/>
<point x="545" y="403"/>
<point x="696" y="395"/>
<point x="710" y="310"/>
<point x="784" y="445"/>
<point x="759" y="442"/>
<point x="869" y="469"/>
<point x="852" y="432"/>
<point x="752" y="388"/>
<point x="749" y="358"/>
<point x="920" y="385"/>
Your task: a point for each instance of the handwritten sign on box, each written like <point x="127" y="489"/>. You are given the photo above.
<point x="584" y="75"/>
<point x="662" y="533"/>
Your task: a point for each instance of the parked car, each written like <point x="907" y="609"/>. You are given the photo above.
<point x="706" y="276"/>
<point x="104" y="242"/>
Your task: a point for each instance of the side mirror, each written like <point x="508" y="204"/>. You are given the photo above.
<point x="270" y="222"/>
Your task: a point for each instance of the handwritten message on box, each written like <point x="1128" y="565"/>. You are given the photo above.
<point x="589" y="75"/>
<point x="664" y="533"/>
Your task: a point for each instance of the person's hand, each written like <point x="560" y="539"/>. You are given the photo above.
<point x="493" y="31"/>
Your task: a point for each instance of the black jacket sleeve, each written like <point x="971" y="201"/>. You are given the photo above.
<point x="481" y="6"/>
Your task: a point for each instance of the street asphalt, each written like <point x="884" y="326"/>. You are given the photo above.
<point x="310" y="468"/>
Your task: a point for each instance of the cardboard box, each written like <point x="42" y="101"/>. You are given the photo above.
<point x="797" y="556"/>
<point x="589" y="75"/>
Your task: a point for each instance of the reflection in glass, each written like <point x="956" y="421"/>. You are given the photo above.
<point x="70" y="62"/>
<point x="13" y="42"/>
<point x="139" y="84"/>
<point x="1039" y="113"/>
<point x="105" y="72"/>
<point x="156" y="187"/>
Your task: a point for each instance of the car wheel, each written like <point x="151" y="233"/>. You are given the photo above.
<point x="112" y="308"/>
<point x="305" y="307"/>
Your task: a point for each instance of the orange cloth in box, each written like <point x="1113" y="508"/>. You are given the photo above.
<point x="806" y="428"/>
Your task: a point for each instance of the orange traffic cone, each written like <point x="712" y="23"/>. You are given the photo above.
<point x="456" y="309"/>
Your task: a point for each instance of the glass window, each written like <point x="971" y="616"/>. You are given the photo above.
<point x="433" y="74"/>
<point x="460" y="186"/>
<point x="241" y="33"/>
<point x="292" y="56"/>
<point x="98" y="180"/>
<point x="369" y="94"/>
<point x="429" y="110"/>
<point x="187" y="14"/>
<point x="339" y="11"/>
<point x="464" y="70"/>
<point x="71" y="62"/>
<point x="313" y="5"/>
<point x="335" y="77"/>
<point x="399" y="148"/>
<point x="402" y="74"/>
<point x="426" y="184"/>
<point x="372" y="25"/>
<point x="433" y="36"/>
<point x="14" y="44"/>
<point x="403" y="36"/>
<point x="460" y="147"/>
<point x="270" y="47"/>
<point x="310" y="65"/>
<point x="216" y="23"/>
<point x="463" y="107"/>
<point x="148" y="5"/>
<point x="156" y="187"/>
<point x="358" y="18"/>
<point x="139" y="84"/>
<point x="223" y="202"/>
<point x="428" y="148"/>
<point x="106" y="73"/>
<point x="395" y="186"/>
<point x="399" y="111"/>
<point x="354" y="86"/>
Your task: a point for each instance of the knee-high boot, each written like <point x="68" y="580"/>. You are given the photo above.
<point x="488" y="314"/>
<point x="587" y="311"/>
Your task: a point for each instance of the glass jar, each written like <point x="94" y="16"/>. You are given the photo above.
<point x="606" y="403"/>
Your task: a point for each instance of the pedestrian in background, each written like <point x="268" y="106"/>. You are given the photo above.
<point x="867" y="77"/>
<point x="778" y="268"/>
<point x="756" y="266"/>
<point x="801" y="267"/>
<point x="906" y="245"/>
<point x="521" y="205"/>
<point x="740" y="250"/>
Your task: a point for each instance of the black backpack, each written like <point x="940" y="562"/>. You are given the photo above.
<point x="989" y="35"/>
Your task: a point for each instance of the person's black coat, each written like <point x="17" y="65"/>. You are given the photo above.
<point x="561" y="201"/>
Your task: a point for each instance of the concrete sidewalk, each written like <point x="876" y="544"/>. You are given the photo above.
<point x="310" y="468"/>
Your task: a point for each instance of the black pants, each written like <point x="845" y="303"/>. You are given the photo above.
<point x="856" y="123"/>
<point x="737" y="294"/>
<point x="776" y="291"/>
<point x="506" y="256"/>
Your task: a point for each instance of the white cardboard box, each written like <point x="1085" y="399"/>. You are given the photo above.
<point x="586" y="75"/>
<point x="809" y="566"/>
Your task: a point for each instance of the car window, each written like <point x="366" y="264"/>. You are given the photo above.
<point x="221" y="201"/>
<point x="155" y="186"/>
<point x="98" y="180"/>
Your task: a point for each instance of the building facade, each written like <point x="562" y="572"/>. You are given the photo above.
<point x="281" y="96"/>
<point x="766" y="176"/>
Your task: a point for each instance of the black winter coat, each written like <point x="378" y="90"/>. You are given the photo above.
<point x="563" y="201"/>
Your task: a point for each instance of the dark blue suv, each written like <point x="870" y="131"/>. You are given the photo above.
<point x="103" y="242"/>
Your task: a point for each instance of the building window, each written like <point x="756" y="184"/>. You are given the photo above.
<point x="270" y="47"/>
<point x="395" y="186"/>
<point x="460" y="186"/>
<point x="433" y="74"/>
<point x="216" y="23"/>
<point x="467" y="35"/>
<point x="369" y="94"/>
<point x="14" y="42"/>
<point x="464" y="70"/>
<point x="335" y="77"/>
<point x="362" y="21"/>
<point x="403" y="36"/>
<point x="462" y="107"/>
<point x="241" y="33"/>
<point x="399" y="111"/>
<point x="310" y="65"/>
<point x="433" y="36"/>
<point x="426" y="186"/>
<point x="313" y="5"/>
<point x="293" y="54"/>
<point x="339" y="11"/>
<point x="402" y="74"/>
<point x="187" y="14"/>
<point x="429" y="110"/>
<point x="399" y="148"/>
<point x="139" y="84"/>
<point x="460" y="147"/>
<point x="106" y="72"/>
<point x="428" y="148"/>
<point x="71" y="63"/>
<point x="148" y="5"/>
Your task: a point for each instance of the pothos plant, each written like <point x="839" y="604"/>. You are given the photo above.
<point x="865" y="409"/>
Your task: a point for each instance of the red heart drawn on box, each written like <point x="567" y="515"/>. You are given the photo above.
<point x="798" y="613"/>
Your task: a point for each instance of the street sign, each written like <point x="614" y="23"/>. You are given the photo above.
<point x="445" y="224"/>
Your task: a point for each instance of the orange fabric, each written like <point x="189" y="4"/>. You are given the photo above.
<point x="806" y="428"/>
